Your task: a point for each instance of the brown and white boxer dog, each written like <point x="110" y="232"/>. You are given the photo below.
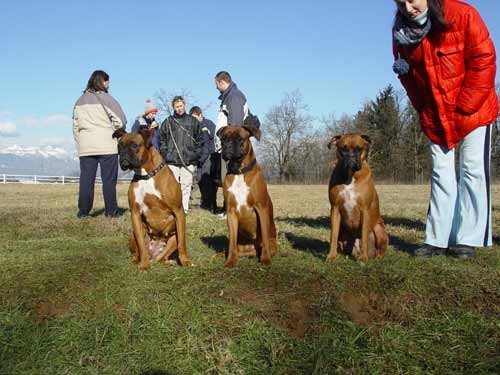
<point x="249" y="207"/>
<point x="356" y="225"/>
<point x="155" y="200"/>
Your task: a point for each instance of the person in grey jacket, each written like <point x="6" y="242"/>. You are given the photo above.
<point x="96" y="115"/>
<point x="180" y="138"/>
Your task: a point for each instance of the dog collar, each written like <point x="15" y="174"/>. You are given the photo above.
<point x="138" y="177"/>
<point x="245" y="169"/>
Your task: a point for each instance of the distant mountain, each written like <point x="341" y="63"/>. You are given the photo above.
<point x="47" y="160"/>
<point x="43" y="161"/>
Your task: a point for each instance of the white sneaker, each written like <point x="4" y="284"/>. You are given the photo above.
<point x="222" y="216"/>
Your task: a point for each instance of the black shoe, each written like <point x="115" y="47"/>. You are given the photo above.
<point x="81" y="215"/>
<point x="462" y="251"/>
<point x="426" y="251"/>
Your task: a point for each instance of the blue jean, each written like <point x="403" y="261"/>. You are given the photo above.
<point x="109" y="176"/>
<point x="460" y="212"/>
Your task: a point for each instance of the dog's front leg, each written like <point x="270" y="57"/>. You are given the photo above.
<point x="139" y="235"/>
<point x="265" y="224"/>
<point x="180" y="226"/>
<point x="334" y="234"/>
<point x="232" y="223"/>
<point x="365" y="232"/>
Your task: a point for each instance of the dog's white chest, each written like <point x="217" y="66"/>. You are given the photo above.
<point x="143" y="188"/>
<point x="240" y="191"/>
<point x="350" y="197"/>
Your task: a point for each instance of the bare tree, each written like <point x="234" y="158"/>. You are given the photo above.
<point x="282" y="127"/>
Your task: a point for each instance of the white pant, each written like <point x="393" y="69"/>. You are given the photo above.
<point x="460" y="213"/>
<point x="184" y="177"/>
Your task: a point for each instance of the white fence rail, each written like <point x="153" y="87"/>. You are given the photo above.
<point x="37" y="179"/>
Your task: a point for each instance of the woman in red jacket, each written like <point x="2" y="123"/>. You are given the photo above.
<point x="446" y="61"/>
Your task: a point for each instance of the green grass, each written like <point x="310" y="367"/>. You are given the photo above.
<point x="71" y="302"/>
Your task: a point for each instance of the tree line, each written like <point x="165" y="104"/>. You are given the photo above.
<point x="292" y="150"/>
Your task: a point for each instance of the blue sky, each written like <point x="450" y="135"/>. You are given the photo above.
<point x="338" y="53"/>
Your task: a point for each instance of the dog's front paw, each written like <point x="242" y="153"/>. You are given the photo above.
<point x="134" y="259"/>
<point x="265" y="260"/>
<point x="331" y="258"/>
<point x="185" y="262"/>
<point x="230" y="262"/>
<point x="144" y="266"/>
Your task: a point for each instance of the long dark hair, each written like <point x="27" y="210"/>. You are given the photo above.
<point x="436" y="13"/>
<point x="96" y="81"/>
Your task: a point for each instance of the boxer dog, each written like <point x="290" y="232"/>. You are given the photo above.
<point x="249" y="207"/>
<point x="356" y="225"/>
<point x="155" y="200"/>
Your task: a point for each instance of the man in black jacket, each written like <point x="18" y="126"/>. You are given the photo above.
<point x="181" y="140"/>
<point x="208" y="188"/>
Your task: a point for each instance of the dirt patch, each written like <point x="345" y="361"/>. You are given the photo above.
<point x="51" y="308"/>
<point x="369" y="308"/>
<point x="291" y="311"/>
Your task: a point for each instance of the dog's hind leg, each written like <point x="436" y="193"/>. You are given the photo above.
<point x="381" y="239"/>
<point x="168" y="250"/>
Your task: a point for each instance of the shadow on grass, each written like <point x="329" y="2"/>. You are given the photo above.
<point x="155" y="372"/>
<point x="120" y="212"/>
<point x="324" y="222"/>
<point x="317" y="222"/>
<point x="404" y="222"/>
<point x="400" y="244"/>
<point x="318" y="248"/>
<point x="219" y="244"/>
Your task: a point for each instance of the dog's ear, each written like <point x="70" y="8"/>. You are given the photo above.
<point x="255" y="132"/>
<point x="333" y="141"/>
<point x="220" y="132"/>
<point x="369" y="141"/>
<point x="147" y="135"/>
<point x="118" y="133"/>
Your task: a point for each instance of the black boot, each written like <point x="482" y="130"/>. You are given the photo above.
<point x="462" y="251"/>
<point x="426" y="251"/>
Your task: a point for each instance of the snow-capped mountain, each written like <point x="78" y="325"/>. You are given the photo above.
<point x="45" y="160"/>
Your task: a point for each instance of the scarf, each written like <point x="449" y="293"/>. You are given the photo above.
<point x="407" y="32"/>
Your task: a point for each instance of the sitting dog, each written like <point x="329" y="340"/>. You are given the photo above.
<point x="249" y="207"/>
<point x="155" y="199"/>
<point x="356" y="225"/>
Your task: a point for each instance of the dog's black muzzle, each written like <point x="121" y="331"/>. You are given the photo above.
<point x="128" y="159"/>
<point x="231" y="151"/>
<point x="351" y="162"/>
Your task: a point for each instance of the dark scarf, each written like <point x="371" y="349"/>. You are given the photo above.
<point x="406" y="32"/>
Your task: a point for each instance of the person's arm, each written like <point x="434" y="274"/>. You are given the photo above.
<point x="480" y="65"/>
<point x="116" y="114"/>
<point x="136" y="126"/>
<point x="408" y="82"/>
<point x="204" y="142"/>
<point x="163" y="136"/>
<point x="76" y="128"/>
<point x="235" y="110"/>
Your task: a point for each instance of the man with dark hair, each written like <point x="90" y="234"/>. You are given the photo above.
<point x="180" y="139"/>
<point x="233" y="111"/>
<point x="208" y="188"/>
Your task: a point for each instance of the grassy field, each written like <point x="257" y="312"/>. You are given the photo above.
<point x="71" y="302"/>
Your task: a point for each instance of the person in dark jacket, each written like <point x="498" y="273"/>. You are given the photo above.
<point x="148" y="121"/>
<point x="208" y="188"/>
<point x="180" y="139"/>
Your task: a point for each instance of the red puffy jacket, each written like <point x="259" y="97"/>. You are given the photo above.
<point x="451" y="82"/>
